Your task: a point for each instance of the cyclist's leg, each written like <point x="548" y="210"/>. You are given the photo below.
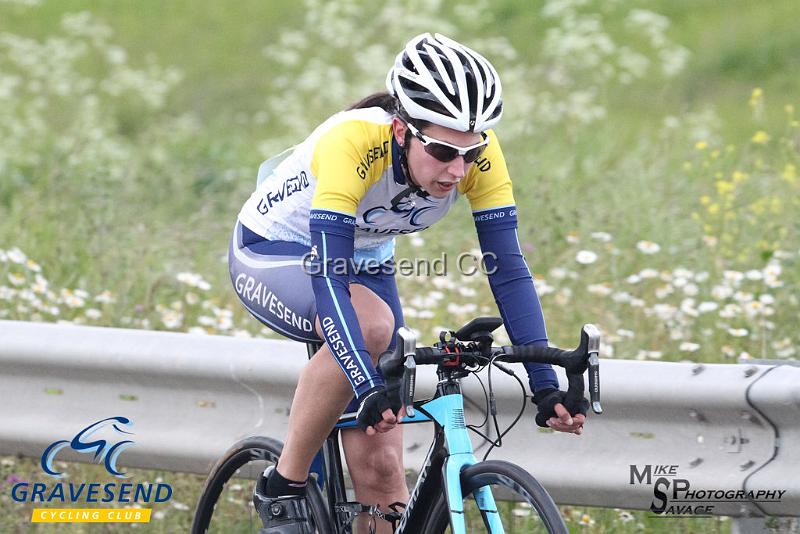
<point x="258" y="269"/>
<point x="376" y="468"/>
<point x="375" y="462"/>
<point x="323" y="391"/>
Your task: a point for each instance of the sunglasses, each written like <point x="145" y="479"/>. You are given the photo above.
<point x="445" y="152"/>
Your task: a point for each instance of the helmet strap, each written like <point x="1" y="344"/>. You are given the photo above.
<point x="413" y="186"/>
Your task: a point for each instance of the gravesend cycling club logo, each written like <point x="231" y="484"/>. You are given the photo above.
<point x="676" y="497"/>
<point x="104" y="440"/>
<point x="103" y="450"/>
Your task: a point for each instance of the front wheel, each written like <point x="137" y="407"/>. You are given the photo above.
<point x="522" y="504"/>
<point x="226" y="502"/>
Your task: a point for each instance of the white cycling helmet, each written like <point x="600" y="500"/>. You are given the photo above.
<point x="443" y="82"/>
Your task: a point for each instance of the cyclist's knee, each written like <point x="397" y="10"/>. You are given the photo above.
<point x="381" y="469"/>
<point x="375" y="318"/>
<point x="377" y="332"/>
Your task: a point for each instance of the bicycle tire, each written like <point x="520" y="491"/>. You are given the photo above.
<point x="258" y="451"/>
<point x="499" y="474"/>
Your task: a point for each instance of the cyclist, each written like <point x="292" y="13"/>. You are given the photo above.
<point x="311" y="257"/>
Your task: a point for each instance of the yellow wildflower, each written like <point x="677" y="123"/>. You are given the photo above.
<point x="775" y="205"/>
<point x="724" y="188"/>
<point x="705" y="200"/>
<point x="756" y="96"/>
<point x="789" y="109"/>
<point x="739" y="176"/>
<point x="701" y="145"/>
<point x="760" y="137"/>
<point x="790" y="173"/>
<point x="714" y="155"/>
<point x="713" y="209"/>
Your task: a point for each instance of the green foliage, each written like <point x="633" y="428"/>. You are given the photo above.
<point x="653" y="147"/>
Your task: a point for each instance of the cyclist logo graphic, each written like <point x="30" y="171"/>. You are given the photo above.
<point x="103" y="450"/>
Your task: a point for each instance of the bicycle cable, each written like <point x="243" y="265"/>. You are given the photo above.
<point x="499" y="441"/>
<point x="475" y="428"/>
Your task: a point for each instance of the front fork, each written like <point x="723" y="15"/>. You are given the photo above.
<point x="448" y="411"/>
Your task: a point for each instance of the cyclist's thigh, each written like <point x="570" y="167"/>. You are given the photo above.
<point x="380" y="286"/>
<point x="269" y="279"/>
<point x="383" y="284"/>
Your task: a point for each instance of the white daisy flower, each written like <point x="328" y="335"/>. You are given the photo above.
<point x="15" y="255"/>
<point x="586" y="257"/>
<point x="648" y="247"/>
<point x="604" y="237"/>
<point x="691" y="289"/>
<point x="707" y="306"/>
<point x="648" y="273"/>
<point x="600" y="289"/>
<point x="754" y="274"/>
<point x="730" y="311"/>
<point x="106" y="297"/>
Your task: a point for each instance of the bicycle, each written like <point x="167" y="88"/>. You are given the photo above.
<point x="450" y="473"/>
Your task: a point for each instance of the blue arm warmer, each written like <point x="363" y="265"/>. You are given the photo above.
<point x="513" y="288"/>
<point x="332" y="237"/>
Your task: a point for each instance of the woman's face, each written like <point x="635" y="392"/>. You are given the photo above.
<point x="435" y="177"/>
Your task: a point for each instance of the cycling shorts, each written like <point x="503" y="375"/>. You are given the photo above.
<point x="269" y="278"/>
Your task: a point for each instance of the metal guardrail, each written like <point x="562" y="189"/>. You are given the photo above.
<point x="731" y="427"/>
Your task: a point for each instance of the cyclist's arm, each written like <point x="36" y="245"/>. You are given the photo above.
<point x="332" y="226"/>
<point x="488" y="188"/>
<point x="513" y="288"/>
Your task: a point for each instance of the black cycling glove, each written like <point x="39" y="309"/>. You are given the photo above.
<point x="546" y="400"/>
<point x="374" y="402"/>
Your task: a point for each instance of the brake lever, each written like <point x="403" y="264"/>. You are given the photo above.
<point x="409" y="383"/>
<point x="407" y="342"/>
<point x="593" y="346"/>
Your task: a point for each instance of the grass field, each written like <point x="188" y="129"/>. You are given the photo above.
<point x="654" y="148"/>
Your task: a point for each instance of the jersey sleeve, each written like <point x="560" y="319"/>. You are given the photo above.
<point x="489" y="192"/>
<point x="487" y="184"/>
<point x="347" y="161"/>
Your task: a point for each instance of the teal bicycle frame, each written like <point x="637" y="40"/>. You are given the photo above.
<point x="449" y="454"/>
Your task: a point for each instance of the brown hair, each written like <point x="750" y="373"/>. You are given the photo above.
<point x="380" y="99"/>
<point x="390" y="104"/>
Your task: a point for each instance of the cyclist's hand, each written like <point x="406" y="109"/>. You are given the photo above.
<point x="564" y="422"/>
<point x="378" y="411"/>
<point x="558" y="412"/>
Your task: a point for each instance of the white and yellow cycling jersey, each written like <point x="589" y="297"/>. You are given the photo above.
<point x="350" y="164"/>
